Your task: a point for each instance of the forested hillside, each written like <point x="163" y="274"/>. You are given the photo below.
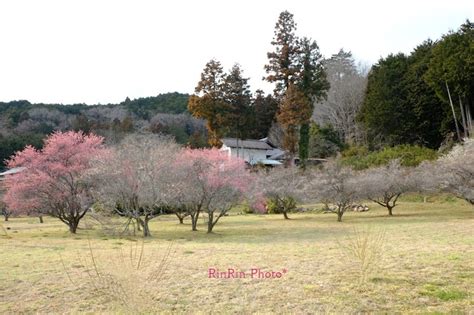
<point x="22" y="122"/>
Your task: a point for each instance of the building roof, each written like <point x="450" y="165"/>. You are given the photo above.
<point x="268" y="162"/>
<point x="246" y="144"/>
<point x="12" y="171"/>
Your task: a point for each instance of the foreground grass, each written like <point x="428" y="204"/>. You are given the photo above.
<point x="426" y="265"/>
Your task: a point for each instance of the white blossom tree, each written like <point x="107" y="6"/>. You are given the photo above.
<point x="336" y="184"/>
<point x="281" y="186"/>
<point x="385" y="184"/>
<point x="137" y="181"/>
<point x="452" y="173"/>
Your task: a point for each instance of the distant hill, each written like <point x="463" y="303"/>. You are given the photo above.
<point x="22" y="122"/>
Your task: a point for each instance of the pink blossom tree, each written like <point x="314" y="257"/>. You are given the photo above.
<point x="53" y="181"/>
<point x="209" y="181"/>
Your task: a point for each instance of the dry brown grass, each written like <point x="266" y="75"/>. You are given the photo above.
<point x="426" y="266"/>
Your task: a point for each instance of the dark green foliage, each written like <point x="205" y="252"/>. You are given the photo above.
<point x="452" y="62"/>
<point x="12" y="143"/>
<point x="409" y="155"/>
<point x="432" y="117"/>
<point x="323" y="141"/>
<point x="237" y="94"/>
<point x="407" y="101"/>
<point x="172" y="103"/>
<point x="264" y="110"/>
<point x="303" y="145"/>
<point x="311" y="79"/>
<point x="385" y="111"/>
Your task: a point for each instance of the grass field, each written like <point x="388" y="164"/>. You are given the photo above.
<point x="425" y="265"/>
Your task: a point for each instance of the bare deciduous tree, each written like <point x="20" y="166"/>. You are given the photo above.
<point x="385" y="184"/>
<point x="344" y="97"/>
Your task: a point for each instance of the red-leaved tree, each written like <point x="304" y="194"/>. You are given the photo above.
<point x="53" y="180"/>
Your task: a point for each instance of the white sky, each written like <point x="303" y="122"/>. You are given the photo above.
<point x="98" y="51"/>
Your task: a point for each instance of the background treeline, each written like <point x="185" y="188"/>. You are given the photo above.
<point x="22" y="122"/>
<point x="405" y="106"/>
<point x="408" y="96"/>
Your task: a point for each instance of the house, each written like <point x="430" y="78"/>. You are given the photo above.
<point x="253" y="151"/>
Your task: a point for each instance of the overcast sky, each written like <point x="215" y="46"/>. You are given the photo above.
<point x="97" y="51"/>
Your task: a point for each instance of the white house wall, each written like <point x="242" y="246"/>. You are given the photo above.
<point x="249" y="155"/>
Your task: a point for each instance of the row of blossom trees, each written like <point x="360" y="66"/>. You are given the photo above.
<point x="343" y="187"/>
<point x="149" y="175"/>
<point x="141" y="179"/>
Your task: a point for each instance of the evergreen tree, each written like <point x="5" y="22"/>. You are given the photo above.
<point x="208" y="102"/>
<point x="432" y="117"/>
<point x="282" y="62"/>
<point x="237" y="94"/>
<point x="263" y="111"/>
<point x="385" y="111"/>
<point x="312" y="82"/>
<point x="295" y="110"/>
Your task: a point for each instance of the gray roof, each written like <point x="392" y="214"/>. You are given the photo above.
<point x="246" y="144"/>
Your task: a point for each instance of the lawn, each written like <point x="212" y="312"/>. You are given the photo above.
<point x="425" y="264"/>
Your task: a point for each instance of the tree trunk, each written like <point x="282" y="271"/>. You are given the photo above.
<point x="389" y="210"/>
<point x="180" y="218"/>
<point x="194" y="220"/>
<point x="73" y="225"/>
<point x="146" y="228"/>
<point x="40" y="217"/>
<point x="210" y="222"/>
<point x="285" y="215"/>
<point x="339" y="215"/>
<point x="6" y="215"/>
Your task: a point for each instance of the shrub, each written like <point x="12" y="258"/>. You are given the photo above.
<point x="409" y="155"/>
<point x="281" y="205"/>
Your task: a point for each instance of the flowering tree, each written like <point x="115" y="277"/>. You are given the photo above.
<point x="385" y="184"/>
<point x="336" y="184"/>
<point x="208" y="181"/>
<point x="452" y="173"/>
<point x="137" y="180"/>
<point x="282" y="186"/>
<point x="53" y="180"/>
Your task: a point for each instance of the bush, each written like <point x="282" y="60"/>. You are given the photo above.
<point x="324" y="141"/>
<point x="281" y="205"/>
<point x="409" y="155"/>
